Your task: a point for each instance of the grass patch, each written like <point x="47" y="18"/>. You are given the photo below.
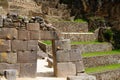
<point x="89" y="42"/>
<point x="91" y="54"/>
<point x="102" y="68"/>
<point x="47" y="42"/>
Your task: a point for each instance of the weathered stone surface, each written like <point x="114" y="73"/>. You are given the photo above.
<point x="32" y="45"/>
<point x="8" y="57"/>
<point x="5" y="45"/>
<point x="28" y="70"/>
<point x="33" y="26"/>
<point x="75" y="55"/>
<point x="27" y="57"/>
<point x="82" y="76"/>
<point x="49" y="35"/>
<point x="63" y="44"/>
<point x="10" y="74"/>
<point x="18" y="45"/>
<point x="62" y="56"/>
<point x="66" y="69"/>
<point x="79" y="66"/>
<point x="93" y="47"/>
<point x="4" y="66"/>
<point x="101" y="60"/>
<point x="8" y="33"/>
<point x="34" y="35"/>
<point x="23" y="35"/>
<point x="108" y="75"/>
<point x="71" y="26"/>
<point x="75" y="36"/>
<point x="1" y="21"/>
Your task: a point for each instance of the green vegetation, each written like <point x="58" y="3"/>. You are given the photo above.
<point x="47" y="42"/>
<point x="102" y="68"/>
<point x="89" y="42"/>
<point x="80" y="20"/>
<point x="101" y="53"/>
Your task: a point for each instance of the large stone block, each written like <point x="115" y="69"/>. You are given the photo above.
<point x="5" y="45"/>
<point x="75" y="55"/>
<point x="33" y="45"/>
<point x="33" y="26"/>
<point x="8" y="57"/>
<point x="4" y="66"/>
<point x="49" y="35"/>
<point x="10" y="74"/>
<point x="62" y="56"/>
<point x="28" y="70"/>
<point x="19" y="45"/>
<point x="63" y="44"/>
<point x="80" y="67"/>
<point x="83" y="76"/>
<point x="23" y="35"/>
<point x="8" y="33"/>
<point x="66" y="69"/>
<point x="27" y="56"/>
<point x="35" y="35"/>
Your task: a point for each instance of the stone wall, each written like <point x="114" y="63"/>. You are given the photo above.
<point x="18" y="49"/>
<point x="80" y="36"/>
<point x="108" y="75"/>
<point x="94" y="47"/>
<point x="67" y="26"/>
<point x="101" y="60"/>
<point x="68" y="61"/>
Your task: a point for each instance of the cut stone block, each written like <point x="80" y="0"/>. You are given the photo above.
<point x="62" y="56"/>
<point x="8" y="57"/>
<point x="8" y="33"/>
<point x="33" y="26"/>
<point x="66" y="69"/>
<point x="80" y="66"/>
<point x="49" y="35"/>
<point x="82" y="77"/>
<point x="35" y="35"/>
<point x="5" y="45"/>
<point x="4" y="66"/>
<point x="27" y="56"/>
<point x="28" y="70"/>
<point x="63" y="44"/>
<point x="75" y="55"/>
<point x="10" y="74"/>
<point x="33" y="45"/>
<point x="19" y="45"/>
<point x="23" y="35"/>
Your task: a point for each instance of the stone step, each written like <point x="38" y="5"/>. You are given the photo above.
<point x="102" y="60"/>
<point x="93" y="47"/>
<point x="76" y="36"/>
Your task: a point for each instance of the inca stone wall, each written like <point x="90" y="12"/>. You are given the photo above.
<point x="18" y="49"/>
<point x="68" y="26"/>
<point x="93" y="47"/>
<point x="19" y="43"/>
<point x="69" y="61"/>
<point x="108" y="75"/>
<point x="101" y="60"/>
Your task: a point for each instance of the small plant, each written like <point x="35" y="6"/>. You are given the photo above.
<point x="80" y="20"/>
<point x="108" y="35"/>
